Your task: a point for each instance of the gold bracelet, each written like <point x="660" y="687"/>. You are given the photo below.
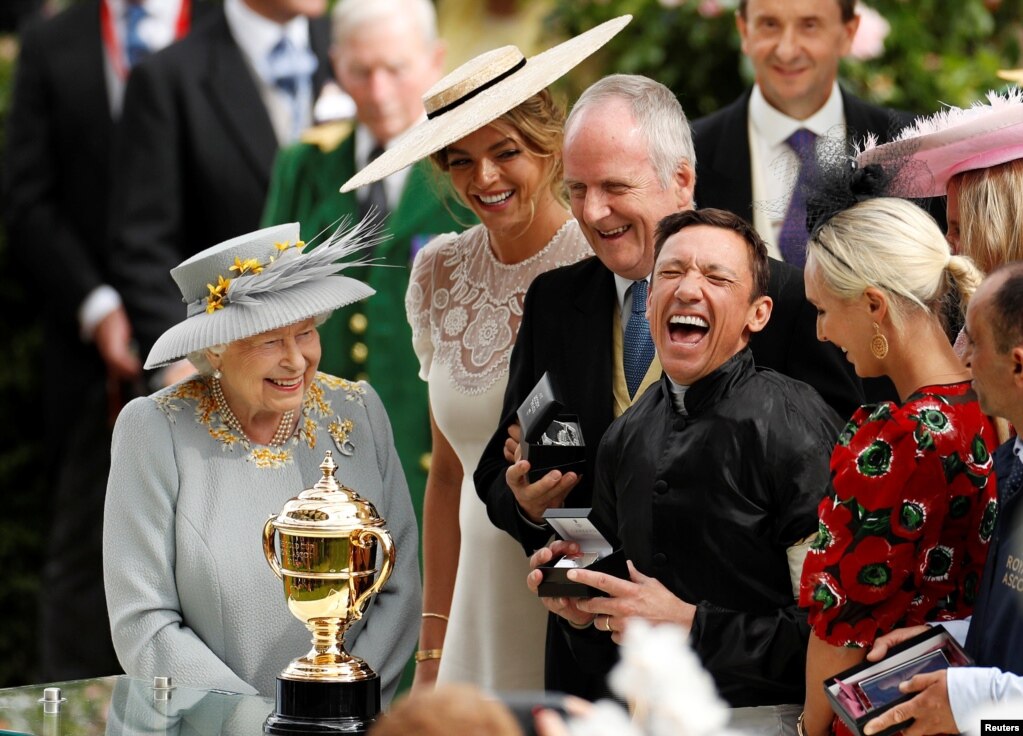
<point x="441" y="616"/>
<point x="581" y="627"/>
<point x="424" y="654"/>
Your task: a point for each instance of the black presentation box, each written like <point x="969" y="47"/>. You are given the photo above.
<point x="551" y="438"/>
<point x="573" y="525"/>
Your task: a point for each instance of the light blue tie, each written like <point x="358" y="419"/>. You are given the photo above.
<point x="135" y="49"/>
<point x="638" y="349"/>
<point x="290" y="69"/>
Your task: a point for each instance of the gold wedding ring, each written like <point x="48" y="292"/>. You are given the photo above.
<point x="607" y="625"/>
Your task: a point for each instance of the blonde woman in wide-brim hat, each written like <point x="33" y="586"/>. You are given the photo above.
<point x="197" y="467"/>
<point x="495" y="133"/>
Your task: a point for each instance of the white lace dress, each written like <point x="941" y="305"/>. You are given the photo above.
<point x="465" y="308"/>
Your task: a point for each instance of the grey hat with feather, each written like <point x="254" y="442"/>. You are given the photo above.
<point x="259" y="282"/>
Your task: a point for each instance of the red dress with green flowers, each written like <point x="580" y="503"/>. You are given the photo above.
<point x="904" y="530"/>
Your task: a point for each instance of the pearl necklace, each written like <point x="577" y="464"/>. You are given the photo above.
<point x="284" y="429"/>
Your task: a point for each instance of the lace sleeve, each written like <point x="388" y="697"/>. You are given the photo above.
<point x="419" y="298"/>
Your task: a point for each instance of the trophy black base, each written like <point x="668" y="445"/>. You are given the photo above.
<point x="308" y="707"/>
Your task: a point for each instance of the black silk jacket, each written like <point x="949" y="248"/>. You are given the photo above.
<point x="708" y="503"/>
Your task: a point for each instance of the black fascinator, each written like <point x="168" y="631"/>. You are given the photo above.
<point x="835" y="183"/>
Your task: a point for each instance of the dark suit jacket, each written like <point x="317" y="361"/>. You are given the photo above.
<point x="57" y="184"/>
<point x="566" y="330"/>
<point x="723" y="177"/>
<point x="196" y="151"/>
<point x="57" y="192"/>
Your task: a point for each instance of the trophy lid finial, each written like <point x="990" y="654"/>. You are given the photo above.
<point x="328" y="483"/>
<point x="327" y="507"/>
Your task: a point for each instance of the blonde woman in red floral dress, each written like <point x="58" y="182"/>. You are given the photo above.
<point x="905" y="526"/>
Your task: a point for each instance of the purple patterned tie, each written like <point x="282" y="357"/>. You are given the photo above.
<point x="793" y="237"/>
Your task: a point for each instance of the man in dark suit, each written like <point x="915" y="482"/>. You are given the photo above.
<point x="67" y="94"/>
<point x="628" y="162"/>
<point x="202" y="122"/>
<point x="746" y="149"/>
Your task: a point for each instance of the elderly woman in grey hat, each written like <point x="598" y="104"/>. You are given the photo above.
<point x="197" y="468"/>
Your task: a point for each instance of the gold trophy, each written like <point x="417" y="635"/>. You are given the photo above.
<point x="329" y="537"/>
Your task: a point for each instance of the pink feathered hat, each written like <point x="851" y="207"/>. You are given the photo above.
<point x="935" y="148"/>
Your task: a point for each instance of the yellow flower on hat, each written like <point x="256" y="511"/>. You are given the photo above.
<point x="218" y="293"/>
<point x="249" y="265"/>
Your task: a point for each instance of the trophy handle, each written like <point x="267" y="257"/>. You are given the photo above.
<point x="268" y="548"/>
<point x="387" y="548"/>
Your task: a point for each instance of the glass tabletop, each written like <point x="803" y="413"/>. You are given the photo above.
<point x="122" y="705"/>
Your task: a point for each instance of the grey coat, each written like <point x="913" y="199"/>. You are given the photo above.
<point x="189" y="590"/>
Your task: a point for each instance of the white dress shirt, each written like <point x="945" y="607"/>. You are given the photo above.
<point x="622" y="286"/>
<point x="256" y="36"/>
<point x="774" y="165"/>
<point x="157" y="29"/>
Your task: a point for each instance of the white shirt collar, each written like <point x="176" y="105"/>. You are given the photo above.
<point x="365" y="142"/>
<point x="394" y="184"/>
<point x="622" y="286"/>
<point x="774" y="126"/>
<point x="678" y="395"/>
<point x="157" y="27"/>
<point x="256" y="35"/>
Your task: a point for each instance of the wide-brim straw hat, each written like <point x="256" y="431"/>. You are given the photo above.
<point x="480" y="91"/>
<point x="259" y="282"/>
<point x="951" y="141"/>
<point x="1011" y="75"/>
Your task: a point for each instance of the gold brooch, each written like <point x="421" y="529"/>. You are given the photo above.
<point x="340" y="430"/>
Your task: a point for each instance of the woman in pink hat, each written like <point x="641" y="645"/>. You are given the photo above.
<point x="974" y="156"/>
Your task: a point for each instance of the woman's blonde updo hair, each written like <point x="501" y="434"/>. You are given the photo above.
<point x="991" y="214"/>
<point x="895" y="246"/>
<point x="540" y="121"/>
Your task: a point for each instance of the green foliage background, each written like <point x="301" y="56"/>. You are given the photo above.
<point x="937" y="51"/>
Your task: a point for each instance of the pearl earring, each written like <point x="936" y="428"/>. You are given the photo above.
<point x="217" y="374"/>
